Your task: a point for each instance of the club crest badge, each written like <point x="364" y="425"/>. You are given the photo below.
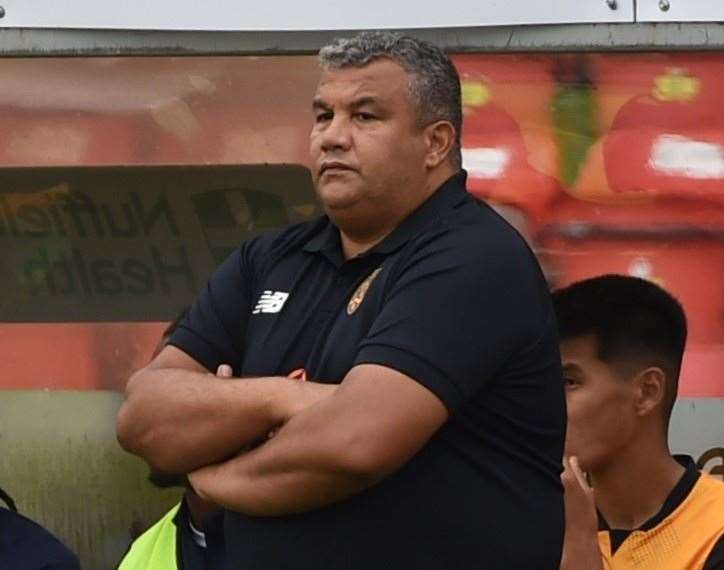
<point x="359" y="295"/>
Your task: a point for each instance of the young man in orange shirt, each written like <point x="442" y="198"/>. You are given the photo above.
<point x="629" y="502"/>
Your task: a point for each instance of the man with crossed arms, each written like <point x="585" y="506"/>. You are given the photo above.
<point x="430" y="434"/>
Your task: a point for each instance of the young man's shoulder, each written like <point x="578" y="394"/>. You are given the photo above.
<point x="712" y="483"/>
<point x="710" y="490"/>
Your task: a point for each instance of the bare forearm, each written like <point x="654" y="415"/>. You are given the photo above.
<point x="581" y="552"/>
<point x="271" y="495"/>
<point x="180" y="420"/>
<point x="297" y="471"/>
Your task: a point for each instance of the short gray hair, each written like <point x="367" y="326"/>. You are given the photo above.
<point x="434" y="86"/>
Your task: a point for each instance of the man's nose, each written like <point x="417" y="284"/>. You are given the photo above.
<point x="337" y="134"/>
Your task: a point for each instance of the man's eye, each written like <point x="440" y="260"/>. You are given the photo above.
<point x="571" y="382"/>
<point x="322" y="117"/>
<point x="364" y="117"/>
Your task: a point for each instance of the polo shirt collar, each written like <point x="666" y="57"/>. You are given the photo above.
<point x="451" y="193"/>
<point x="327" y="238"/>
<point x="677" y="496"/>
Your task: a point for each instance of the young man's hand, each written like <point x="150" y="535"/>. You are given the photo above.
<point x="580" y="548"/>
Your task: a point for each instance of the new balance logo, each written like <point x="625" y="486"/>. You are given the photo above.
<point x="270" y="302"/>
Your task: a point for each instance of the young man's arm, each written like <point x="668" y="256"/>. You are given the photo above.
<point x="580" y="547"/>
<point x="377" y="420"/>
<point x="179" y="417"/>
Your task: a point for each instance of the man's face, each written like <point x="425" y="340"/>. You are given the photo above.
<point x="601" y="414"/>
<point x="367" y="150"/>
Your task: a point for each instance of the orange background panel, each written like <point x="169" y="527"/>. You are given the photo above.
<point x="74" y="356"/>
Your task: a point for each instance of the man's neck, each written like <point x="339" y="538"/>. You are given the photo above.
<point x="633" y="489"/>
<point x="355" y="243"/>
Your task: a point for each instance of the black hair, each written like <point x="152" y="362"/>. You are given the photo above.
<point x="634" y="322"/>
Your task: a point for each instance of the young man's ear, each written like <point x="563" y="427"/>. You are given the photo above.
<point x="440" y="139"/>
<point x="650" y="390"/>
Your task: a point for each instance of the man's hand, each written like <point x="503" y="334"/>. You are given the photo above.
<point x="580" y="548"/>
<point x="224" y="371"/>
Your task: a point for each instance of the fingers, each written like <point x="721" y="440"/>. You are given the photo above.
<point x="298" y="374"/>
<point x="573" y="477"/>
<point x="224" y="371"/>
<point x="580" y="503"/>
<point x="578" y="472"/>
<point x="568" y="477"/>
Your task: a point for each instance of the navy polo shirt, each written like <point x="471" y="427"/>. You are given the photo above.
<point x="455" y="299"/>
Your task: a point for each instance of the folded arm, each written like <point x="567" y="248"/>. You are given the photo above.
<point x="179" y="417"/>
<point x="371" y="426"/>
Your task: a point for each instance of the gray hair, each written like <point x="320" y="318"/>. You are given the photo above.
<point x="434" y="86"/>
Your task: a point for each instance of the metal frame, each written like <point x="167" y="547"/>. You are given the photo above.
<point x="286" y="15"/>
<point x="679" y="10"/>
<point x="564" y="37"/>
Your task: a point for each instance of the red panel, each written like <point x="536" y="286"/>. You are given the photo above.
<point x="52" y="137"/>
<point x="663" y="126"/>
<point x="691" y="269"/>
<point x="155" y="110"/>
<point x="74" y="356"/>
<point x="507" y="117"/>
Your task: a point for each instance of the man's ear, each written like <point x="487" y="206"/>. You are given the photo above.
<point x="650" y="390"/>
<point x="439" y="139"/>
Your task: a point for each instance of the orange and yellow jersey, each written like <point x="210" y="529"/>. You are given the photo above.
<point x="686" y="534"/>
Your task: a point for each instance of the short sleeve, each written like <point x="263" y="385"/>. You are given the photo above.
<point x="461" y="310"/>
<point x="214" y="329"/>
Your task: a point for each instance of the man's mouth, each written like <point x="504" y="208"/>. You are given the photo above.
<point x="334" y="167"/>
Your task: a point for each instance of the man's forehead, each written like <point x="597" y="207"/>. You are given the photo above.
<point x="380" y="79"/>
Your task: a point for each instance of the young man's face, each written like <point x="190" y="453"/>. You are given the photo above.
<point x="601" y="415"/>
<point x="367" y="150"/>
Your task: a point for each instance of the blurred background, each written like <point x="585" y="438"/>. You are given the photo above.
<point x="125" y="181"/>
